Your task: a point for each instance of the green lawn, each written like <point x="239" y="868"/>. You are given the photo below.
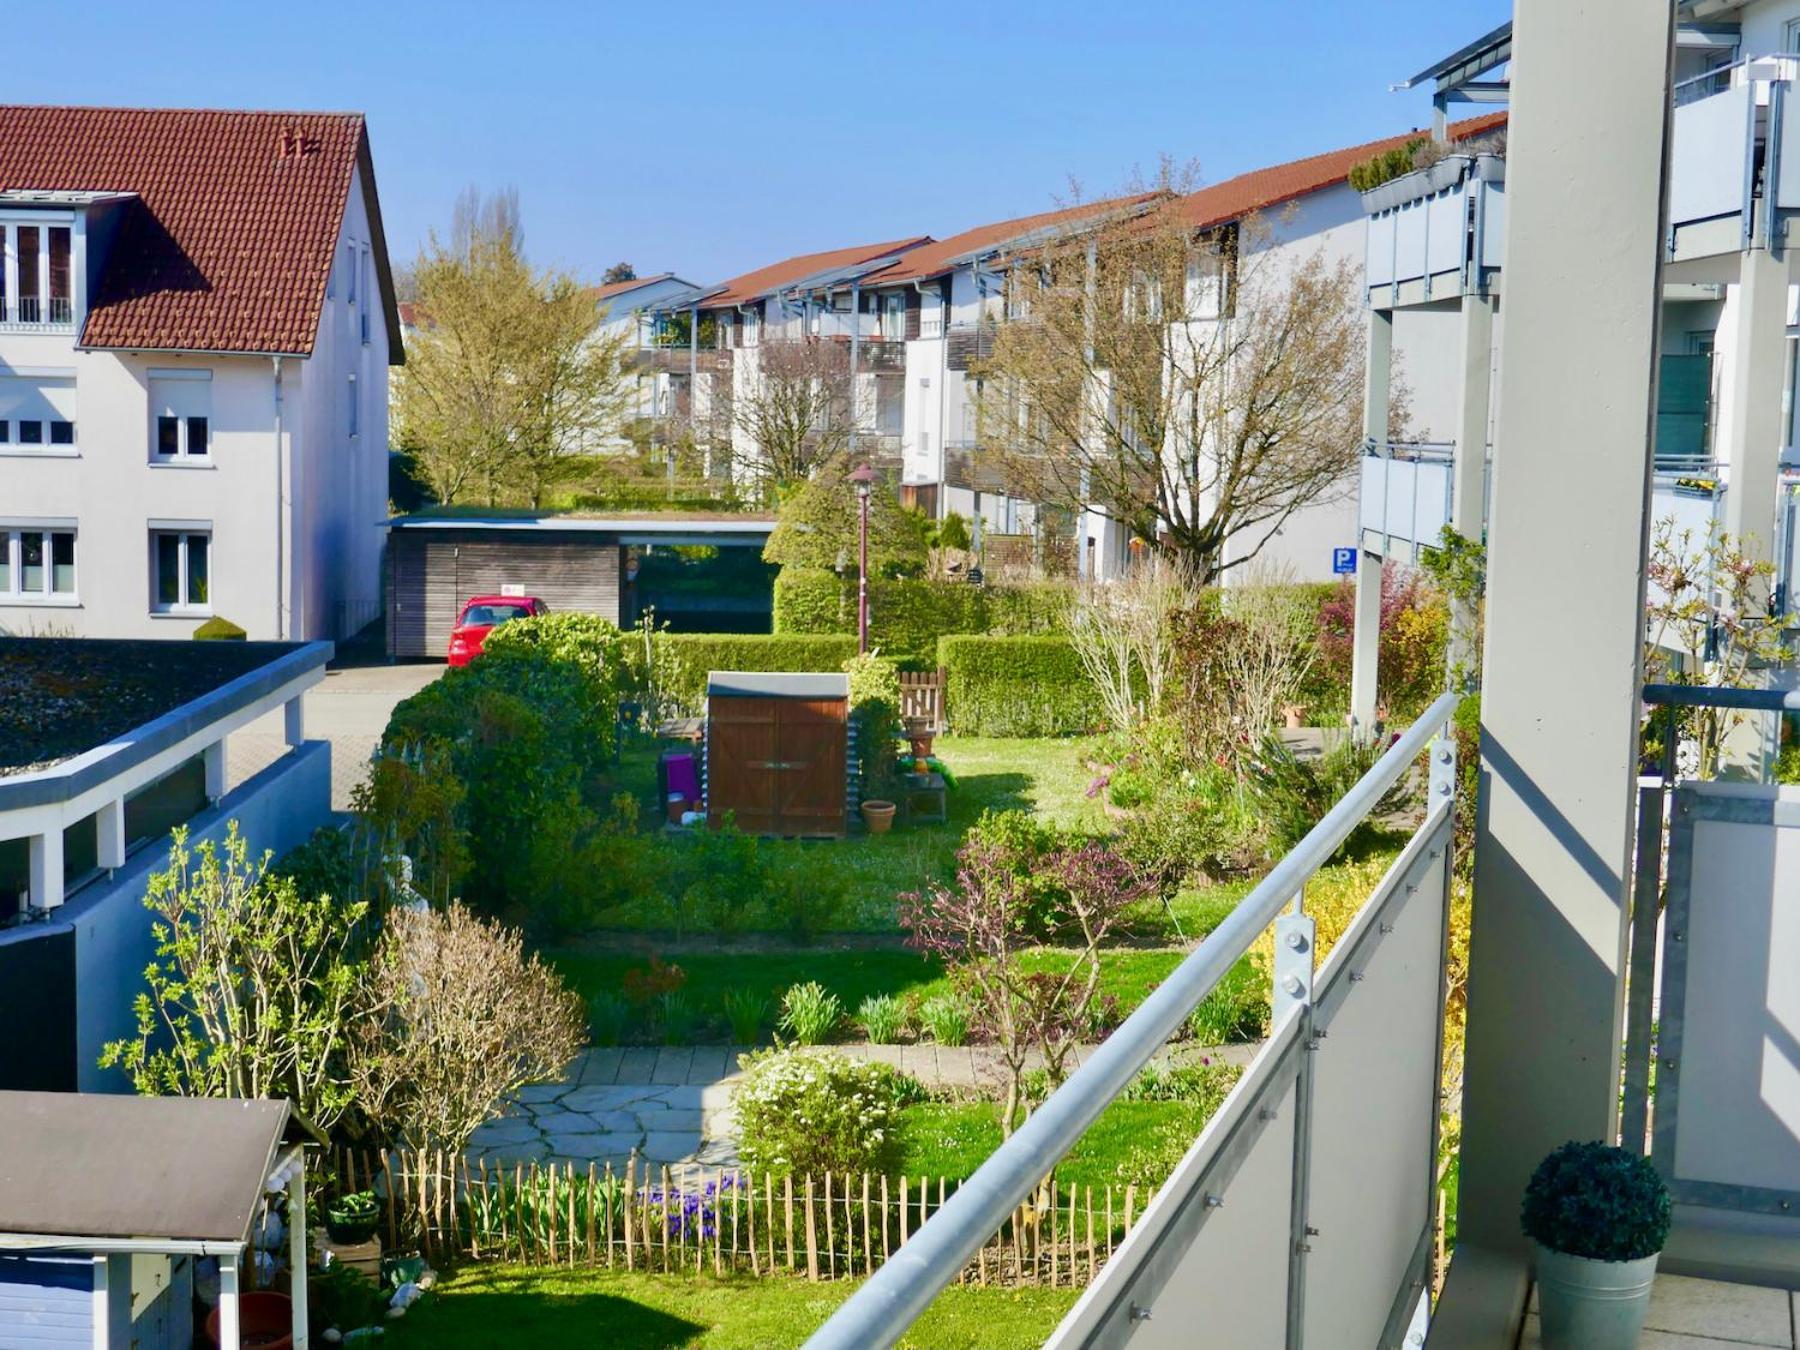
<point x="1044" y="776"/>
<point x="481" y="1307"/>
<point x="1132" y="1143"/>
<point x="1128" y="974"/>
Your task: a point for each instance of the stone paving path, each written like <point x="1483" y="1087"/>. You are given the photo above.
<point x="672" y="1104"/>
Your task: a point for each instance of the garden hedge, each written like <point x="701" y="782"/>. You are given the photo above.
<point x="698" y="653"/>
<point x="907" y="615"/>
<point x="1015" y="686"/>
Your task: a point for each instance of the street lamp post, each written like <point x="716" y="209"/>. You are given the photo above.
<point x="862" y="476"/>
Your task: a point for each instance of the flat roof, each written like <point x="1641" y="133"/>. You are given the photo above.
<point x="76" y="711"/>
<point x="775" y="684"/>
<point x="660" y="522"/>
<point x="115" y="1167"/>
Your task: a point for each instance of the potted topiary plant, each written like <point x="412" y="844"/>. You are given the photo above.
<point x="352" y="1219"/>
<point x="1598" y="1215"/>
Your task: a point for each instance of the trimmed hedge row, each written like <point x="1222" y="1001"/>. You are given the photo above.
<point x="696" y="654"/>
<point x="1015" y="686"/>
<point x="907" y="615"/>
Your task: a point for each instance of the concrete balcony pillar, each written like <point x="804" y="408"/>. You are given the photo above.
<point x="45" y="874"/>
<point x="1378" y="369"/>
<point x="109" y="829"/>
<point x="1567" y="531"/>
<point x="1468" y="473"/>
<point x="293" y="717"/>
<point x="1750" y="422"/>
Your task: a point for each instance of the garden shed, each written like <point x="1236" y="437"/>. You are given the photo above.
<point x="106" y="1201"/>
<point x="778" y="751"/>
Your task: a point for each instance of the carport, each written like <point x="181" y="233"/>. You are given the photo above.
<point x="571" y="562"/>
<point x="88" y="1181"/>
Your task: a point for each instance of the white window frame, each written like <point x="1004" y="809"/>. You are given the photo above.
<point x="12" y="554"/>
<point x="11" y="436"/>
<point x="43" y="222"/>
<point x="186" y="532"/>
<point x="893" y="308"/>
<point x="184" y="455"/>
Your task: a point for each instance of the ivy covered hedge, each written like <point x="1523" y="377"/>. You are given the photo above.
<point x="1015" y="686"/>
<point x="907" y="615"/>
<point x="698" y="653"/>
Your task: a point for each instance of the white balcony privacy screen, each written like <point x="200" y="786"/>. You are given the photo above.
<point x="1405" y="501"/>
<point x="1303" y="1215"/>
<point x="1709" y="159"/>
<point x="1727" y="1105"/>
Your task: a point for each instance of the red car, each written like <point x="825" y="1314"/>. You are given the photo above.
<point x="481" y="614"/>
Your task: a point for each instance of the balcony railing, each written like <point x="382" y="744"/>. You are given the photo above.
<point x="1304" y="1212"/>
<point x="1436" y="233"/>
<point x="1407" y="493"/>
<point x="970" y="342"/>
<point x="1734" y="160"/>
<point x="37" y="314"/>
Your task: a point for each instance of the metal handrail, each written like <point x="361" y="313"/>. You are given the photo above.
<point x="1725" y="77"/>
<point x="1706" y="696"/>
<point x="878" y="1314"/>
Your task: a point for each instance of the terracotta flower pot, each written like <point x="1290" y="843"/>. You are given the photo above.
<point x="921" y="743"/>
<point x="878" y="816"/>
<point x="265" y="1320"/>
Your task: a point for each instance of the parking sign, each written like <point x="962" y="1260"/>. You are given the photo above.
<point x="1343" y="561"/>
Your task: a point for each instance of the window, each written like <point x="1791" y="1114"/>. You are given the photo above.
<point x="42" y="273"/>
<point x="181" y="415"/>
<point x="366" y="292"/>
<point x="893" y="317"/>
<point x="350" y="270"/>
<point x="37" y="412"/>
<point x="355" y="409"/>
<point x="37" y="565"/>
<point x="178" y="562"/>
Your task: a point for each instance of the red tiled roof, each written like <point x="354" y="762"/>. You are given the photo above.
<point x="612" y="288"/>
<point x="751" y="285"/>
<point x="1262" y="188"/>
<point x="228" y="244"/>
<point x="934" y="259"/>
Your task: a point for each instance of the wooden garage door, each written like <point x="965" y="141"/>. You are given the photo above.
<point x="777" y="764"/>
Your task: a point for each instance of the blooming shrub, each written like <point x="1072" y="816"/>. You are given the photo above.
<point x="815" y="1111"/>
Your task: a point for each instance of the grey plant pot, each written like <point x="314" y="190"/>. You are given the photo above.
<point x="1584" y="1304"/>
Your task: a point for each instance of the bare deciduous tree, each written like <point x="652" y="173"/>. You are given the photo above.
<point x="1197" y="385"/>
<point x="793" y="403"/>
<point x="455" y="1016"/>
<point x="1121" y="632"/>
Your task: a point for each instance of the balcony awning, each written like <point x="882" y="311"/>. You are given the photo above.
<point x="1465" y="64"/>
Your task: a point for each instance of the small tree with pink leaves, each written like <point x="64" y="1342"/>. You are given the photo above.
<point x="981" y="928"/>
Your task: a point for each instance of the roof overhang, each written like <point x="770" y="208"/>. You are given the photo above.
<point x="1465" y="64"/>
<point x="18" y="196"/>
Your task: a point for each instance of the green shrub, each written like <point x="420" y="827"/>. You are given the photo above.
<point x="746" y="1010"/>
<point x="1236" y="1010"/>
<point x="602" y="652"/>
<point x="805" y="908"/>
<point x="721" y="880"/>
<point x="606" y="1018"/>
<point x="1598" y="1201"/>
<point x="1022" y="844"/>
<point x="677" y="1016"/>
<point x="1206" y="1083"/>
<point x="875" y="704"/>
<point x="882" y="1018"/>
<point x="815" y="1111"/>
<point x="696" y="654"/>
<point x="527" y="735"/>
<point x="810" y="1013"/>
<point x="907" y="615"/>
<point x="1199" y="825"/>
<point x="820" y="526"/>
<point x="1294" y="794"/>
<point x="1394" y="162"/>
<point x="1015" y="686"/>
<point x="219" y="629"/>
<point x="945" y="1019"/>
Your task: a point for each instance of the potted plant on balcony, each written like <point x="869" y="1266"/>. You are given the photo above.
<point x="1598" y="1216"/>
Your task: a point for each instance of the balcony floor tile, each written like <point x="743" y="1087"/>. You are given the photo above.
<point x="1691" y="1314"/>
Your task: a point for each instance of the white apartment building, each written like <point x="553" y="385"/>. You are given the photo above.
<point x="196" y="321"/>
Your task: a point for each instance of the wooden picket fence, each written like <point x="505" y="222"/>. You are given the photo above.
<point x="922" y="698"/>
<point x="694" y="1220"/>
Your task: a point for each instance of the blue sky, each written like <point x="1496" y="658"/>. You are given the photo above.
<point x="707" y="138"/>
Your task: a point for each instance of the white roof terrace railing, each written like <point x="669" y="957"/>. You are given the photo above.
<point x="1268" y="1227"/>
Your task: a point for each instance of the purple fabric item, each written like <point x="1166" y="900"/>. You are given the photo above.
<point x="682" y="777"/>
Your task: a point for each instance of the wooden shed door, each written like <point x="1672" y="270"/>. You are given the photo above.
<point x="778" y="764"/>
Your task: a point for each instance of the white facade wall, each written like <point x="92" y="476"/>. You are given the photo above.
<point x="113" y="491"/>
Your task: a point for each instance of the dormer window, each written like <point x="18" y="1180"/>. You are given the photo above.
<point x="37" y="275"/>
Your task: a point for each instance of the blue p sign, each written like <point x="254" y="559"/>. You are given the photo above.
<point x="1343" y="561"/>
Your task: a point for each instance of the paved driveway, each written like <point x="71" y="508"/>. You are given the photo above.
<point x="350" y="709"/>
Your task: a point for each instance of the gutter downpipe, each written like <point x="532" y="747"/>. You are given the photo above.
<point x="281" y="568"/>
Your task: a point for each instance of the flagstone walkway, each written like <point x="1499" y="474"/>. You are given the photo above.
<point x="672" y="1104"/>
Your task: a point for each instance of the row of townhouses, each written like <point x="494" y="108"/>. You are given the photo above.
<point x="918" y="312"/>
<point x="196" y="324"/>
